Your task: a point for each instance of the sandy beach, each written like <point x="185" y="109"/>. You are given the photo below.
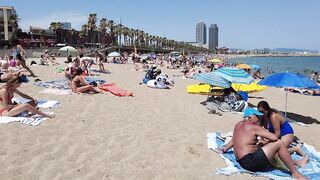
<point x="157" y="134"/>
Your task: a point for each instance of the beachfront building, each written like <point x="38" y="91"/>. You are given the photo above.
<point x="201" y="33"/>
<point x="66" y="25"/>
<point x="8" y="22"/>
<point x="213" y="37"/>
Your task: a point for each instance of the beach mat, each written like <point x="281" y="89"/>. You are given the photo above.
<point x="311" y="170"/>
<point x="114" y="89"/>
<point x="56" y="91"/>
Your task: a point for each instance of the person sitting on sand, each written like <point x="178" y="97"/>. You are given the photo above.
<point x="43" y="60"/>
<point x="250" y="155"/>
<point x="277" y="124"/>
<point x="257" y="74"/>
<point x="80" y="85"/>
<point x="7" y="108"/>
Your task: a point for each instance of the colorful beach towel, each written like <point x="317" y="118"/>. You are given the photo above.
<point x="311" y="170"/>
<point x="42" y="103"/>
<point x="63" y="83"/>
<point x="31" y="121"/>
<point x="115" y="90"/>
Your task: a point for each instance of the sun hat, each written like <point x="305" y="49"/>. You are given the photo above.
<point x="250" y="111"/>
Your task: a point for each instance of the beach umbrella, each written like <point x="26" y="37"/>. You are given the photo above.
<point x="215" y="60"/>
<point x="289" y="80"/>
<point x="114" y="54"/>
<point x="254" y="66"/>
<point x="68" y="49"/>
<point x="248" y="88"/>
<point x="213" y="79"/>
<point x="243" y="66"/>
<point x="235" y="75"/>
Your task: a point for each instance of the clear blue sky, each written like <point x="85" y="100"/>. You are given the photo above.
<point x="245" y="24"/>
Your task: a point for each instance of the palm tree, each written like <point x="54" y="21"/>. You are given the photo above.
<point x="92" y="20"/>
<point x="13" y="21"/>
<point x="84" y="32"/>
<point x="54" y="26"/>
<point x="111" y="29"/>
<point x="102" y="28"/>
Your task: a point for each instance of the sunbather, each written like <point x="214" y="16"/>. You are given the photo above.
<point x="80" y="85"/>
<point x="7" y="108"/>
<point x="277" y="124"/>
<point x="253" y="157"/>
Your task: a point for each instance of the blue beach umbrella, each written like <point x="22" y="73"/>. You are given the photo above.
<point x="289" y="80"/>
<point x="235" y="75"/>
<point x="213" y="79"/>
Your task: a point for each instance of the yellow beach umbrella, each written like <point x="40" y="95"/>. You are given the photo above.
<point x="243" y="66"/>
<point x="249" y="88"/>
<point x="215" y="60"/>
<point x="204" y="89"/>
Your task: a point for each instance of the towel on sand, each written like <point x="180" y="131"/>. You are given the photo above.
<point x="63" y="83"/>
<point x="42" y="103"/>
<point x="311" y="170"/>
<point x="34" y="120"/>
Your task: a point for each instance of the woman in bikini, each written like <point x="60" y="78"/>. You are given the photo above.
<point x="80" y="85"/>
<point x="7" y="108"/>
<point x="275" y="122"/>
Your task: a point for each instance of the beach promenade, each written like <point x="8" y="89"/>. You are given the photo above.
<point x="157" y="134"/>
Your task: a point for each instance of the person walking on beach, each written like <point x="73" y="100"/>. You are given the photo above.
<point x="249" y="154"/>
<point x="100" y="60"/>
<point x="19" y="53"/>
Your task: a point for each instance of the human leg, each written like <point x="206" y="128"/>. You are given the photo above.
<point x="272" y="148"/>
<point x="23" y="64"/>
<point x="287" y="140"/>
<point x="25" y="107"/>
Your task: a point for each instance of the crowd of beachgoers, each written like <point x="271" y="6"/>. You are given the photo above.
<point x="15" y="70"/>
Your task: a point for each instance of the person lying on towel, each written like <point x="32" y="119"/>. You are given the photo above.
<point x="249" y="154"/>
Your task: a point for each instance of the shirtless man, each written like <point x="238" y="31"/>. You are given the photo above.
<point x="252" y="157"/>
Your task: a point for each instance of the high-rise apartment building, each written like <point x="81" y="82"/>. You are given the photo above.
<point x="201" y="33"/>
<point x="213" y="37"/>
<point x="67" y="25"/>
<point x="7" y="22"/>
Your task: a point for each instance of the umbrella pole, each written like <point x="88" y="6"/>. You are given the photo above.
<point x="285" y="108"/>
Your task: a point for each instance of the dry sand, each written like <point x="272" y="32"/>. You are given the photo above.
<point x="158" y="134"/>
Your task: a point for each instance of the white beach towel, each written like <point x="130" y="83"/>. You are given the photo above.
<point x="41" y="103"/>
<point x="31" y="121"/>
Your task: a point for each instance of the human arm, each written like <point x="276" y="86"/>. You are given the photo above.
<point x="24" y="95"/>
<point x="225" y="148"/>
<point x="263" y="133"/>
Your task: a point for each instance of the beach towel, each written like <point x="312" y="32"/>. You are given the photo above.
<point x="63" y="83"/>
<point x="56" y="91"/>
<point x="100" y="71"/>
<point x="42" y="103"/>
<point x="115" y="90"/>
<point x="31" y="121"/>
<point x="311" y="170"/>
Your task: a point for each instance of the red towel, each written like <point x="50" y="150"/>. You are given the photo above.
<point x="115" y="90"/>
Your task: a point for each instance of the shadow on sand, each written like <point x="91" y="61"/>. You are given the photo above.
<point x="303" y="119"/>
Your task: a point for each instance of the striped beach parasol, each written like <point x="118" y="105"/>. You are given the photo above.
<point x="213" y="79"/>
<point x="235" y="75"/>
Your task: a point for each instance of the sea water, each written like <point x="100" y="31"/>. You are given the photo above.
<point x="301" y="65"/>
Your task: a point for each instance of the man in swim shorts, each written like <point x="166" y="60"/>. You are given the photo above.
<point x="249" y="154"/>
